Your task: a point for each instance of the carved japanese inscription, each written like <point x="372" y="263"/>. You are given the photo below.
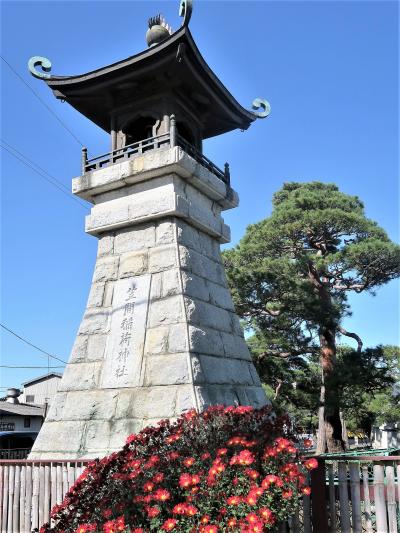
<point x="124" y="350"/>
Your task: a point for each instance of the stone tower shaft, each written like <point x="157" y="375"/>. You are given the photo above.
<point x="159" y="334"/>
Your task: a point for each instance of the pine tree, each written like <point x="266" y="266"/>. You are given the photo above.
<point x="291" y="273"/>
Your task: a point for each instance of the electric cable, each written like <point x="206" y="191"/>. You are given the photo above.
<point x="16" y="366"/>
<point x="33" y="345"/>
<point x="41" y="101"/>
<point x="55" y="183"/>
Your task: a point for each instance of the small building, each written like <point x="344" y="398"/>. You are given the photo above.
<point x="22" y="414"/>
<point x="41" y="390"/>
<point x="386" y="436"/>
<point x="19" y="425"/>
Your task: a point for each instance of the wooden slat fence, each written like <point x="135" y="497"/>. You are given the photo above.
<point x="356" y="495"/>
<point x="349" y="495"/>
<point x="30" y="488"/>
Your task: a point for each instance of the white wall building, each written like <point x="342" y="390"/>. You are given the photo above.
<point x="386" y="436"/>
<point x="40" y="390"/>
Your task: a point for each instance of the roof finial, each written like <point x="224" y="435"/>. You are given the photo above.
<point x="158" y="30"/>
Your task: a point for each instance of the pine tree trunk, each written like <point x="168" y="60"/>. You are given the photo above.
<point x="329" y="409"/>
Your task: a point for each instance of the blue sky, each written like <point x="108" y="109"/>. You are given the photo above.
<point x="329" y="71"/>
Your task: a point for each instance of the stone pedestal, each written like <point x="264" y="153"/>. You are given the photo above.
<point x="159" y="334"/>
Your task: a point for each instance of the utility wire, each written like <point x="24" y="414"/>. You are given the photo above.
<point x="36" y="165"/>
<point x="33" y="345"/>
<point x="41" y="169"/>
<point x="12" y="366"/>
<point x="30" y="164"/>
<point x="41" y="100"/>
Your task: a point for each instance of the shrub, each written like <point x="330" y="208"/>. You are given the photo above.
<point x="225" y="469"/>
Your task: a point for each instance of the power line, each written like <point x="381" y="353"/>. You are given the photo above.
<point x="42" y="173"/>
<point x="41" y="169"/>
<point x="33" y="345"/>
<point x="36" y="165"/>
<point x="41" y="100"/>
<point x="13" y="366"/>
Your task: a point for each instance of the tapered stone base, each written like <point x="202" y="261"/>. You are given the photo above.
<point x="159" y="334"/>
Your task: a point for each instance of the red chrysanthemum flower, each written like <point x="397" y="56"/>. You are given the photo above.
<point x="310" y="464"/>
<point x="265" y="513"/>
<point x="191" y="510"/>
<point x="232" y="522"/>
<point x="185" y="480"/>
<point x="162" y="495"/>
<point x="210" y="529"/>
<point x="158" y="477"/>
<point x="251" y="499"/>
<point x="233" y="500"/>
<point x="179" y="508"/>
<point x="252" y="518"/>
<point x="269" y="480"/>
<point x="169" y="524"/>
<point x="152" y="511"/>
<point x="189" y="461"/>
<point x="148" y="486"/>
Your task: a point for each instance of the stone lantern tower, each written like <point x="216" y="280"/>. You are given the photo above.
<point x="159" y="334"/>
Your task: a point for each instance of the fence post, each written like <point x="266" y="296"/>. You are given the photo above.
<point x="84" y="160"/>
<point x="344" y="509"/>
<point x="227" y="174"/>
<point x="332" y="499"/>
<point x="355" y="496"/>
<point x="367" y="500"/>
<point x="172" y="131"/>
<point x="391" y="499"/>
<point x="380" y="504"/>
<point x="318" y="498"/>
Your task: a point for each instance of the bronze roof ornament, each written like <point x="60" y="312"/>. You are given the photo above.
<point x="158" y="30"/>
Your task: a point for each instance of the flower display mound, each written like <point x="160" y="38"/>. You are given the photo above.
<point x="226" y="469"/>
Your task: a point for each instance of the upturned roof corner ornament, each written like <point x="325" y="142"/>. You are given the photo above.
<point x="45" y="65"/>
<point x="185" y="11"/>
<point x="264" y="104"/>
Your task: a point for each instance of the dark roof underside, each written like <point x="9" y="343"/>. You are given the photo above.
<point x="174" y="68"/>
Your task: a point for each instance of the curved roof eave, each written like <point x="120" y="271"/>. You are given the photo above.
<point x="60" y="83"/>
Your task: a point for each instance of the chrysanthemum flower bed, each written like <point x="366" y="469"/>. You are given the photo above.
<point x="228" y="469"/>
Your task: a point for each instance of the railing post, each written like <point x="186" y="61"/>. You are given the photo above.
<point x="84" y="159"/>
<point x="319" y="516"/>
<point x="227" y="174"/>
<point x="172" y="131"/>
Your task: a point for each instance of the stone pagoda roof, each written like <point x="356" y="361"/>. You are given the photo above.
<point x="171" y="69"/>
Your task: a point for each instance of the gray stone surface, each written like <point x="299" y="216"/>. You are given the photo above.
<point x="159" y="334"/>
<point x="125" y="342"/>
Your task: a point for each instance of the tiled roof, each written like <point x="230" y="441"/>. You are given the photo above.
<point x="21" y="409"/>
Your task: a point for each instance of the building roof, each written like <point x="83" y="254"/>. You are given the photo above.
<point x="173" y="68"/>
<point x="42" y="378"/>
<point x="21" y="409"/>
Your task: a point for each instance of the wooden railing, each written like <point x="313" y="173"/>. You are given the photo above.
<point x="223" y="175"/>
<point x="349" y="495"/>
<point x="17" y="453"/>
<point x="127" y="152"/>
<point x="29" y="489"/>
<point x="171" y="139"/>
<point x="356" y="494"/>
